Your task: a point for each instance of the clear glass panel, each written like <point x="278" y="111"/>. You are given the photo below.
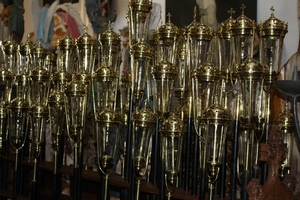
<point x="141" y="144"/>
<point x="271" y="52"/>
<point x="107" y="141"/>
<point x="163" y="95"/>
<point x="172" y="148"/>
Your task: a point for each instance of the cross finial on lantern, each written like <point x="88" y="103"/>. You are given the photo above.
<point x="195" y="13"/>
<point x="231" y="11"/>
<point x="169" y="17"/>
<point x="272" y="10"/>
<point x="243" y="8"/>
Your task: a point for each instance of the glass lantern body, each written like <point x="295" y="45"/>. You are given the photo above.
<point x="182" y="82"/>
<point x="105" y="93"/>
<point x="56" y="116"/>
<point x="38" y="127"/>
<point x="138" y="17"/>
<point x="6" y="80"/>
<point x="243" y="47"/>
<point x="39" y="86"/>
<point x="139" y="71"/>
<point x="197" y="52"/>
<point x="202" y="93"/>
<point x="141" y="145"/>
<point x="75" y="108"/>
<point x="86" y="58"/>
<point x="65" y="54"/>
<point x="216" y="135"/>
<point x="107" y="135"/>
<point x="9" y="49"/>
<point x="167" y="49"/>
<point x="271" y="52"/>
<point x="252" y="100"/>
<point x="18" y="124"/>
<point x="172" y="153"/>
<point x="162" y="95"/>
<point x="226" y="54"/>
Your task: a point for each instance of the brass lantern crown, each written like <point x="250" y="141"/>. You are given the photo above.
<point x="252" y="68"/>
<point x="224" y="29"/>
<point x="144" y="117"/>
<point x="273" y="27"/>
<point x="168" y="31"/>
<point x="200" y="31"/>
<point x="217" y="114"/>
<point x="243" y="25"/>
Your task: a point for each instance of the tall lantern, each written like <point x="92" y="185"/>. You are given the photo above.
<point x="164" y="71"/>
<point x="204" y="80"/>
<point x="39" y="92"/>
<point x="251" y="75"/>
<point x="143" y="122"/>
<point x="75" y="111"/>
<point x="172" y="133"/>
<point x="272" y="33"/>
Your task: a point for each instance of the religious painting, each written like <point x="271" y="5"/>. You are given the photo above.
<point x="215" y="11"/>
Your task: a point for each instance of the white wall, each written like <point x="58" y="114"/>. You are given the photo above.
<point x="285" y="10"/>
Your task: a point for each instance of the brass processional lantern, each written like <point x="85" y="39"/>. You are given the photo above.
<point x="286" y="124"/>
<point x="105" y="84"/>
<point x="172" y="137"/>
<point x="8" y="50"/>
<point x="60" y="77"/>
<point x="39" y="87"/>
<point x="77" y="101"/>
<point x="215" y="120"/>
<point x="143" y="122"/>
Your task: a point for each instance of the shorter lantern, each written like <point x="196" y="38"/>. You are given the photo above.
<point x="125" y="86"/>
<point x="216" y="120"/>
<point x="107" y="136"/>
<point x="171" y="143"/>
<point x="143" y="128"/>
<point x="285" y="122"/>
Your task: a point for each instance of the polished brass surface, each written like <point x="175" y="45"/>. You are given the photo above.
<point x="243" y="25"/>
<point x="273" y="27"/>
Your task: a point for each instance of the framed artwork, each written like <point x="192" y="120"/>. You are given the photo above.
<point x="182" y="11"/>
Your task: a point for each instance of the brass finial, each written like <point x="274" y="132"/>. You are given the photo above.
<point x="231" y="11"/>
<point x="85" y="28"/>
<point x="169" y="17"/>
<point x="195" y="13"/>
<point x="243" y="8"/>
<point x="201" y="15"/>
<point x="272" y="10"/>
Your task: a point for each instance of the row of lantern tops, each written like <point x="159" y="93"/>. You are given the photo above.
<point x="242" y="25"/>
